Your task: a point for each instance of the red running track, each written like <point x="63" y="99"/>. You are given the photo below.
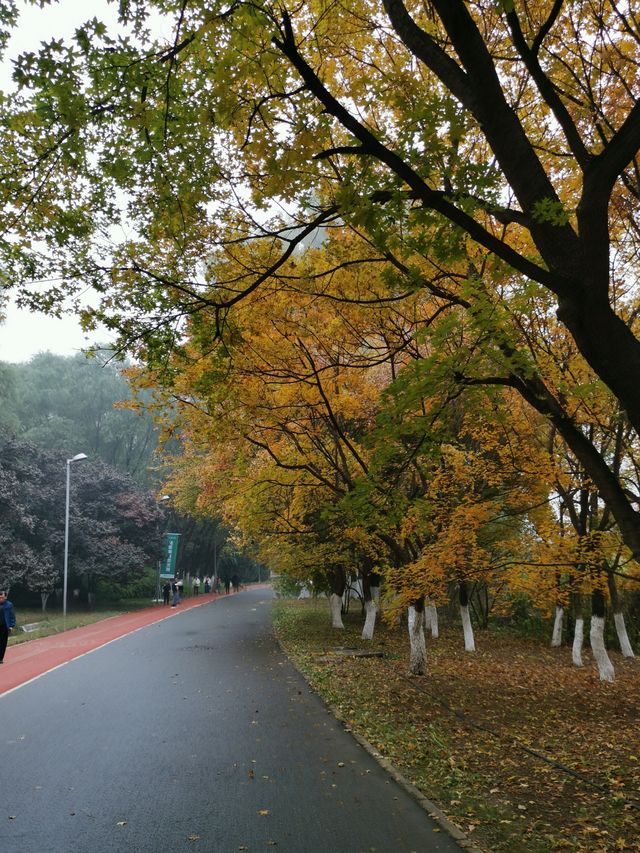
<point x="26" y="661"/>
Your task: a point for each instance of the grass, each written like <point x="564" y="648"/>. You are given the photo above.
<point x="520" y="749"/>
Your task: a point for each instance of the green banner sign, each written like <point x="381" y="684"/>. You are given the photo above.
<point x="168" y="564"/>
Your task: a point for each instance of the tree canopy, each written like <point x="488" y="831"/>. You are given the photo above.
<point x="116" y="525"/>
<point x="480" y="159"/>
<point x="76" y="403"/>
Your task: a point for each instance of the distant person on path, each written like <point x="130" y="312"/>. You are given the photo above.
<point x="7" y="622"/>
<point x="166" y="593"/>
<point x="207" y="584"/>
<point x="180" y="585"/>
<point x="196" y="585"/>
<point x="216" y="584"/>
<point x="235" y="583"/>
<point x="176" y="594"/>
<point x="227" y="586"/>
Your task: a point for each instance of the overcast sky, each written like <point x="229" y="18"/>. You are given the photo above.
<point x="24" y="334"/>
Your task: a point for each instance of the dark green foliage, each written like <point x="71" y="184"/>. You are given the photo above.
<point x="75" y="404"/>
<point x="114" y="524"/>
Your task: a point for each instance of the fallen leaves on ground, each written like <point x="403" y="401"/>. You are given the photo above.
<point x="474" y="732"/>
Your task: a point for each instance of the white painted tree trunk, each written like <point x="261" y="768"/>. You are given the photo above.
<point x="371" y="610"/>
<point x="336" y="610"/>
<point x="556" y="638"/>
<point x="432" y="620"/>
<point x="605" y="667"/>
<point x="578" y="639"/>
<point x="417" y="643"/>
<point x="623" y="637"/>
<point x="469" y="642"/>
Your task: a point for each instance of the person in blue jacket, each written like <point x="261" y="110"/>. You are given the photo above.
<point x="7" y="622"/>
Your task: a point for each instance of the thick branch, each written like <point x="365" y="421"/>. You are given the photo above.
<point x="546" y="89"/>
<point x="483" y="97"/>
<point x="430" y="198"/>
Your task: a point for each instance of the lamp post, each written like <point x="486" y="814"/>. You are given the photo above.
<point x="77" y="458"/>
<point x="163" y="499"/>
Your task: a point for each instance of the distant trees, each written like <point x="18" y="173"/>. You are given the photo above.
<point x="115" y="524"/>
<point x="82" y="404"/>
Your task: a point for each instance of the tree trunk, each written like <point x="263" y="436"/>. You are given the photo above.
<point x="432" y="620"/>
<point x="623" y="637"/>
<point x="469" y="642"/>
<point x="336" y="610"/>
<point x="44" y="597"/>
<point x="370" y="608"/>
<point x="578" y="639"/>
<point x="338" y="580"/>
<point x="371" y="611"/>
<point x="618" y="616"/>
<point x="578" y="628"/>
<point x="607" y="343"/>
<point x="556" y="638"/>
<point x="605" y="667"/>
<point x="418" y="646"/>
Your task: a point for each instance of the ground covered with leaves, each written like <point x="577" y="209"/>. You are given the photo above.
<point x="521" y="750"/>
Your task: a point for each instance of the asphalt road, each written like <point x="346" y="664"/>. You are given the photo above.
<point x="196" y="734"/>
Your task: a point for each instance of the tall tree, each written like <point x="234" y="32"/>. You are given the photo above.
<point x="57" y="401"/>
<point x="115" y="523"/>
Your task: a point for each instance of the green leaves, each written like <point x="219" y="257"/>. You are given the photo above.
<point x="8" y="19"/>
<point x="551" y="211"/>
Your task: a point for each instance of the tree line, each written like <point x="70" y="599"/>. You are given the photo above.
<point x="449" y="380"/>
<point x="52" y="408"/>
<point x="115" y="525"/>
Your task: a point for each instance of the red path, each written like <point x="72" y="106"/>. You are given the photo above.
<point x="31" y="659"/>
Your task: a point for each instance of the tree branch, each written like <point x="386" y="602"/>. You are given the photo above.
<point x="430" y="198"/>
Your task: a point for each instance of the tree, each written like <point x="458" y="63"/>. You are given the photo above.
<point x="29" y="535"/>
<point x="58" y="401"/>
<point x="327" y="449"/>
<point x="115" y="524"/>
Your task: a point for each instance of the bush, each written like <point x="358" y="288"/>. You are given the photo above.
<point x="143" y="586"/>
<point x="286" y="587"/>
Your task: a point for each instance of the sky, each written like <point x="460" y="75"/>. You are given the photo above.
<point x="25" y="333"/>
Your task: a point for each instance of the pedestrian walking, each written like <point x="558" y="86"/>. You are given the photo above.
<point x="196" y="585"/>
<point x="235" y="583"/>
<point x="7" y="622"/>
<point x="227" y="585"/>
<point x="207" y="584"/>
<point x="180" y="585"/>
<point x="166" y="593"/>
<point x="176" y="594"/>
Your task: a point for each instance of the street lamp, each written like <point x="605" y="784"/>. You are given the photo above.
<point x="161" y="500"/>
<point x="77" y="458"/>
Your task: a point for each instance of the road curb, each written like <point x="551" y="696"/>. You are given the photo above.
<point x="431" y="809"/>
<point x="428" y="805"/>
